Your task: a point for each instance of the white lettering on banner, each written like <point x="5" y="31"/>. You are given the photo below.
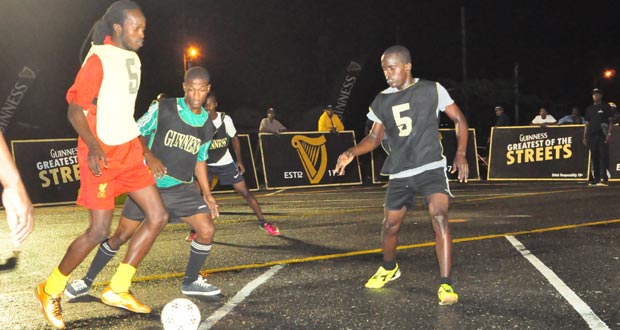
<point x="537" y="148"/>
<point x="530" y="137"/>
<point x="294" y="175"/>
<point x="63" y="153"/>
<point x="61" y="168"/>
<point x="566" y="175"/>
<point x="15" y="97"/>
<point x="344" y="93"/>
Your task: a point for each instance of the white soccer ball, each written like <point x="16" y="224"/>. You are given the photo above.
<point x="180" y="314"/>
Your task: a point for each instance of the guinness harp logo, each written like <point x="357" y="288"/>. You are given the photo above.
<point x="313" y="155"/>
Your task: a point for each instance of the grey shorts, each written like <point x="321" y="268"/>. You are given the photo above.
<point x="227" y="174"/>
<point x="402" y="192"/>
<point x="181" y="201"/>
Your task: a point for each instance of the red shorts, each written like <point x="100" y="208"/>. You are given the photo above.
<point x="126" y="172"/>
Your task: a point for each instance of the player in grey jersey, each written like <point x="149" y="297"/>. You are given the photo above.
<point x="406" y="118"/>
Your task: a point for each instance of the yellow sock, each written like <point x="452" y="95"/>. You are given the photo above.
<point x="121" y="281"/>
<point x="56" y="282"/>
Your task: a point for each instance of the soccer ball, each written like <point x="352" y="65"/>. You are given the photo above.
<point x="180" y="314"/>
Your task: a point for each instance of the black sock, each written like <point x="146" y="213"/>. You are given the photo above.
<point x="389" y="265"/>
<point x="198" y="254"/>
<point x="103" y="256"/>
<point x="445" y="280"/>
<point x="261" y="222"/>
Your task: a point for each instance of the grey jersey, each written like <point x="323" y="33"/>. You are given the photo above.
<point x="411" y="121"/>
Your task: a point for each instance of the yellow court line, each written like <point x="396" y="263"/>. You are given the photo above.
<point x="371" y="251"/>
<point x="518" y="195"/>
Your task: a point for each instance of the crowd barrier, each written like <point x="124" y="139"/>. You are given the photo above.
<point x="49" y="169"/>
<point x="449" y="144"/>
<point x="614" y="154"/>
<point x="538" y="153"/>
<point x="306" y="159"/>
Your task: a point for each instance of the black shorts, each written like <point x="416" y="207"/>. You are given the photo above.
<point x="401" y="192"/>
<point x="183" y="201"/>
<point x="228" y="174"/>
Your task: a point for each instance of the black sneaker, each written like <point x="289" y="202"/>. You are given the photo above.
<point x="200" y="287"/>
<point x="76" y="289"/>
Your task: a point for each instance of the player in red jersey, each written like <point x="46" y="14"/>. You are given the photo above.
<point x="110" y="156"/>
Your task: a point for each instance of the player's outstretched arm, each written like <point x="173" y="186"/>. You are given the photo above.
<point x="460" y="124"/>
<point x="19" y="209"/>
<point x="368" y="144"/>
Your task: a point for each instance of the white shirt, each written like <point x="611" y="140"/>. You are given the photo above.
<point x="539" y="120"/>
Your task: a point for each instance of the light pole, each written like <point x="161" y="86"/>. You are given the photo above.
<point x="189" y="54"/>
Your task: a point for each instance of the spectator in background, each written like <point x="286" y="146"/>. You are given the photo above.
<point x="543" y="119"/>
<point x="599" y="116"/>
<point x="270" y="124"/>
<point x="328" y="122"/>
<point x="573" y="119"/>
<point x="502" y="118"/>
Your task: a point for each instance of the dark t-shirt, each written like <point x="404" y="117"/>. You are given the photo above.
<point x="503" y="120"/>
<point x="597" y="118"/>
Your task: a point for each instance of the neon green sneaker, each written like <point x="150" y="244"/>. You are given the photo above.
<point x="446" y="295"/>
<point x="383" y="276"/>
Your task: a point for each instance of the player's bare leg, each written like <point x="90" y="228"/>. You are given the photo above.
<point x="389" y="271"/>
<point x="117" y="293"/>
<point x="156" y="218"/>
<point x="438" y="209"/>
<point x="97" y="231"/>
<point x="389" y="232"/>
<point x="48" y="292"/>
<point x="242" y="189"/>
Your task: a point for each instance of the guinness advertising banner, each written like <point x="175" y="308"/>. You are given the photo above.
<point x="49" y="169"/>
<point x="538" y="153"/>
<point x="306" y="159"/>
<point x="248" y="162"/>
<point x="448" y="141"/>
<point x="614" y="154"/>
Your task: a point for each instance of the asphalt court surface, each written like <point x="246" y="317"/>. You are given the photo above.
<point x="526" y="255"/>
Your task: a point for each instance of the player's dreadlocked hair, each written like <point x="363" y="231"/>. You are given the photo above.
<point x="103" y="27"/>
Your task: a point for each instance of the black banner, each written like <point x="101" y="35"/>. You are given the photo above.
<point x="49" y="169"/>
<point x="249" y="176"/>
<point x="538" y="153"/>
<point x="306" y="159"/>
<point x="449" y="143"/>
<point x="614" y="154"/>
<point x="346" y="87"/>
<point x="13" y="99"/>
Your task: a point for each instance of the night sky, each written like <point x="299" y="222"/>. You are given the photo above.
<point x="292" y="55"/>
